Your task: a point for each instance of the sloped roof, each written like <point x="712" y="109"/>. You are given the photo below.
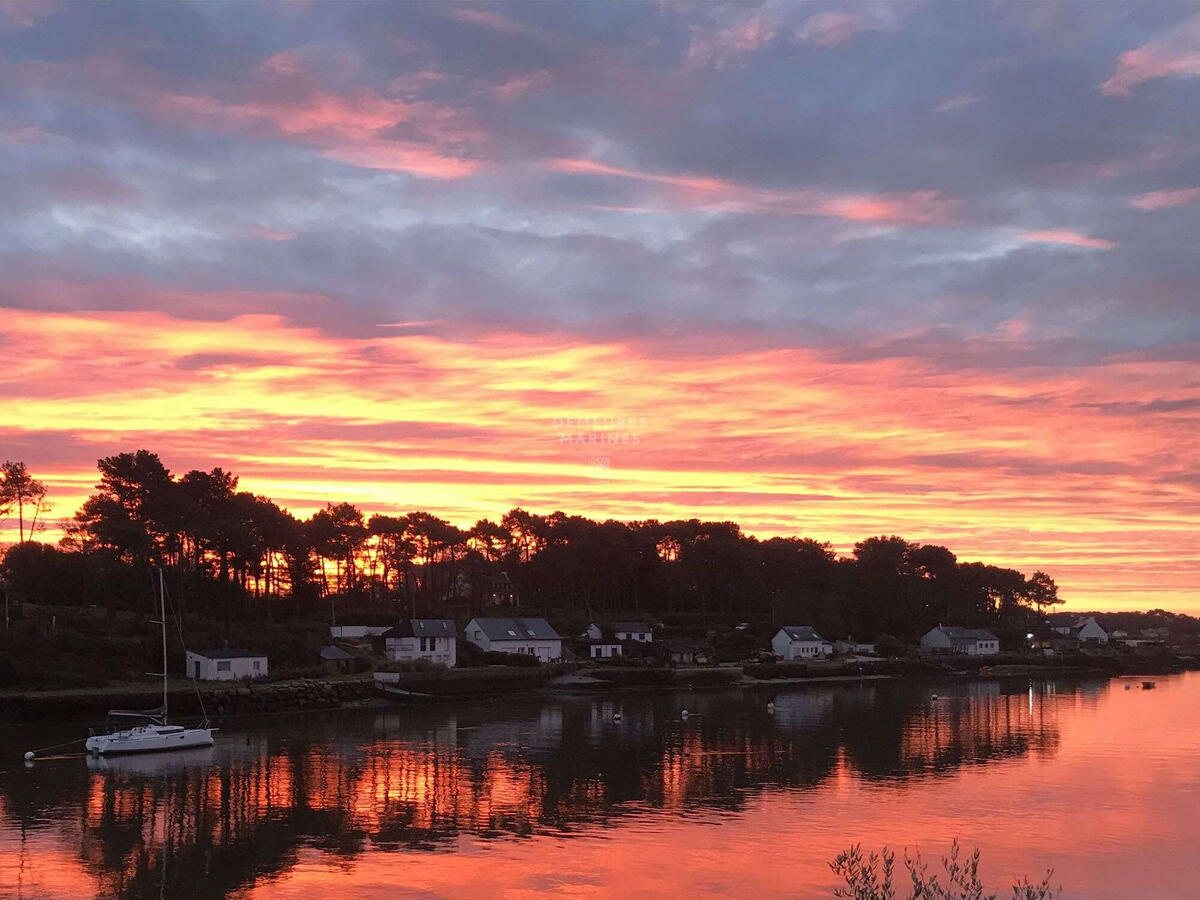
<point x="334" y="653"/>
<point x="422" y="628"/>
<point x="230" y="653"/>
<point x="516" y="629"/>
<point x="801" y="633"/>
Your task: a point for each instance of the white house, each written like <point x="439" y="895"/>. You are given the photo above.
<point x="604" y="649"/>
<point x="226" y="664"/>
<point x="966" y="641"/>
<point x="431" y="639"/>
<point x="532" y="636"/>
<point x="622" y="631"/>
<point x="800" y="642"/>
<point x="1086" y="630"/>
<point x="633" y="631"/>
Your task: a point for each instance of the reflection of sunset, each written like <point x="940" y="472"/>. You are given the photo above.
<point x="653" y="803"/>
<point x="406" y="422"/>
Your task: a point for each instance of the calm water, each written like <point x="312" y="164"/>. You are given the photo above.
<point x="552" y="796"/>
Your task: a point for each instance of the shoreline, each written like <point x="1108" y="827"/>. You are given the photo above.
<point x="215" y="699"/>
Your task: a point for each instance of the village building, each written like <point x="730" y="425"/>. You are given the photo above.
<point x="433" y="639"/>
<point x="501" y="591"/>
<point x="800" y="642"/>
<point x="622" y="631"/>
<point x="534" y="637"/>
<point x="963" y="641"/>
<point x="225" y="664"/>
<point x="336" y="661"/>
<point x="1085" y="630"/>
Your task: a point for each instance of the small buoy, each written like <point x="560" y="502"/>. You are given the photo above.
<point x="1126" y="687"/>
<point x="684" y="714"/>
<point x="616" y="717"/>
<point x="771" y="706"/>
<point x="29" y="754"/>
<point x="933" y="696"/>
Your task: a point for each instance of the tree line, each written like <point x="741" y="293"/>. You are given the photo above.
<point x="234" y="554"/>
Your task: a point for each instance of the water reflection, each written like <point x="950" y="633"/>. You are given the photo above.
<point x="421" y="778"/>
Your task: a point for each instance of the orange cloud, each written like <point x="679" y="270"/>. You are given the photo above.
<point x="1085" y="471"/>
<point x="703" y="192"/>
<point x="1069" y="238"/>
<point x="1165" y="199"/>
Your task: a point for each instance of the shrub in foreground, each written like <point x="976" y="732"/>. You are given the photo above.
<point x="872" y="877"/>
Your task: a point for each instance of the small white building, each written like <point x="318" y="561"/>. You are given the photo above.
<point x="604" y="649"/>
<point x="964" y="641"/>
<point x="225" y="664"/>
<point x="1085" y="630"/>
<point x="431" y="639"/>
<point x="532" y="636"/>
<point x="800" y="642"/>
<point x="622" y="631"/>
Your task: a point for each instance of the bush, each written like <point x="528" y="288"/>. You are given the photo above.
<point x="887" y="645"/>
<point x="871" y="877"/>
<point x="497" y="658"/>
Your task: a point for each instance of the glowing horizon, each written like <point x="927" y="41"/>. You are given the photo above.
<point x="343" y="258"/>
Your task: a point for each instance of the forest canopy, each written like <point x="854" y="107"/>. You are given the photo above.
<point x="233" y="554"/>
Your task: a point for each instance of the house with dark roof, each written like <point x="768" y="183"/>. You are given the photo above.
<point x="800" y="642"/>
<point x="963" y="641"/>
<point x="601" y="642"/>
<point x="622" y="631"/>
<point x="226" y="664"/>
<point x="336" y="660"/>
<point x="532" y="636"/>
<point x="433" y="639"/>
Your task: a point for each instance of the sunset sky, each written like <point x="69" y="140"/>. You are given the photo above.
<point x="828" y="270"/>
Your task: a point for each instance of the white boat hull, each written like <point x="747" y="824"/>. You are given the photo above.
<point x="150" y="739"/>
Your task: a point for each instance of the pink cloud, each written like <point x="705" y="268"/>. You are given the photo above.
<point x="1067" y="237"/>
<point x="703" y="192"/>
<point x="829" y="29"/>
<point x="1165" y="199"/>
<point x="1176" y="53"/>
<point x="952" y="103"/>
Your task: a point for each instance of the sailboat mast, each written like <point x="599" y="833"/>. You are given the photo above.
<point x="162" y="600"/>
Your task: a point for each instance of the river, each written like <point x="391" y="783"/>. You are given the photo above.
<point x="583" y="796"/>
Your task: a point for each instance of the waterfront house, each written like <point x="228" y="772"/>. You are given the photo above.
<point x="431" y="639"/>
<point x="336" y="660"/>
<point x="622" y="631"/>
<point x="800" y="642"/>
<point x="1086" y="630"/>
<point x="225" y="664"/>
<point x="531" y="636"/>
<point x="964" y="641"/>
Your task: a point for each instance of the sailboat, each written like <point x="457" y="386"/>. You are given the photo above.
<point x="156" y="734"/>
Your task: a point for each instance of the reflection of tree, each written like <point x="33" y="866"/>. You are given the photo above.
<point x="420" y="777"/>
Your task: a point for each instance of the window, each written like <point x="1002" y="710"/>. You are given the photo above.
<point x="257" y="666"/>
<point x="222" y="665"/>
